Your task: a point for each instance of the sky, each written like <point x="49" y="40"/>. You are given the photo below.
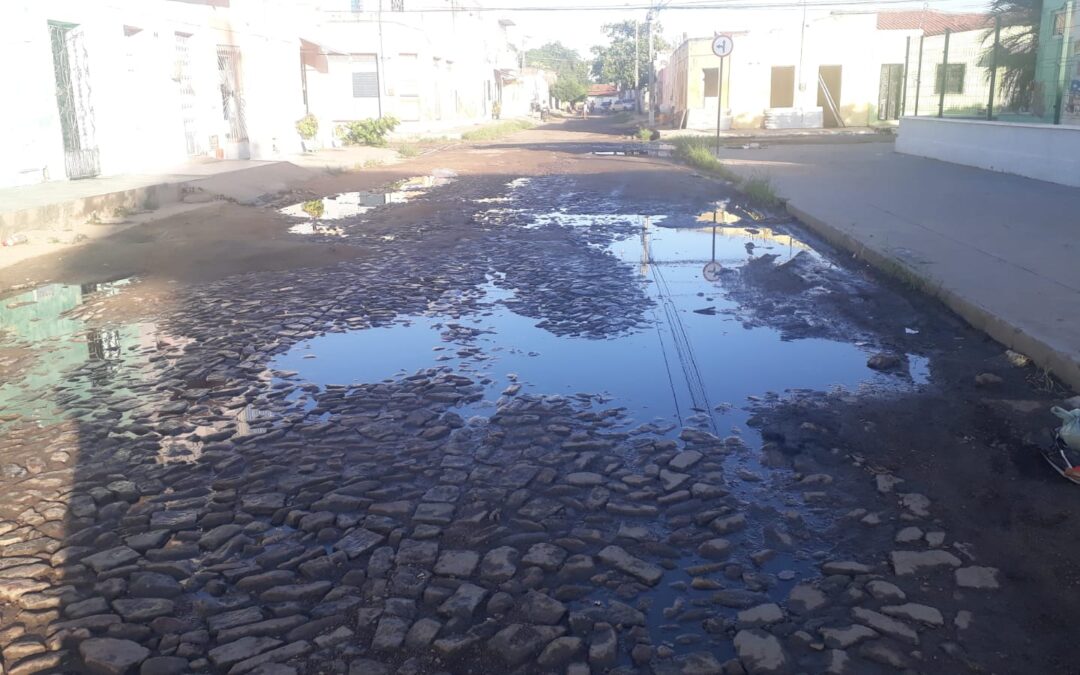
<point x="581" y="29"/>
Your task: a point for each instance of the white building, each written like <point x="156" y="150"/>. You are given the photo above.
<point x="428" y="63"/>
<point x="143" y="85"/>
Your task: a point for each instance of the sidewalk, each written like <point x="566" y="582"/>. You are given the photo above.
<point x="1002" y="251"/>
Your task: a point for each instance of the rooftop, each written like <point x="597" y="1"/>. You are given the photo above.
<point x="933" y="22"/>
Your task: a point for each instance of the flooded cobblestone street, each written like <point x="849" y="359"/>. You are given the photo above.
<point x="555" y="412"/>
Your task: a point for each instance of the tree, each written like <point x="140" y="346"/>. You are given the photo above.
<point x="1020" y="20"/>
<point x="571" y="72"/>
<point x="614" y="62"/>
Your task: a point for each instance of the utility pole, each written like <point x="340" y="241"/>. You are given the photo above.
<point x="381" y="64"/>
<point x="652" y="70"/>
<point x="637" y="76"/>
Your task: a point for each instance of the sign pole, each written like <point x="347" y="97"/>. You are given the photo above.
<point x="719" y="99"/>
<point x="721" y="47"/>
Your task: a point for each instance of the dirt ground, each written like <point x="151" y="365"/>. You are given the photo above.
<point x="972" y="450"/>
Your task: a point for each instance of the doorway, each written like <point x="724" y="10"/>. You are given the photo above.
<point x="232" y="94"/>
<point x="186" y="92"/>
<point x="710" y="87"/>
<point x="782" y="87"/>
<point x="828" y="95"/>
<point x="73" y="102"/>
<point x="891" y="91"/>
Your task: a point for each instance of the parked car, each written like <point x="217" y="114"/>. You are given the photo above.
<point x="618" y="106"/>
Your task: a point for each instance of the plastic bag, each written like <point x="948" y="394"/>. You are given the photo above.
<point x="1070" y="428"/>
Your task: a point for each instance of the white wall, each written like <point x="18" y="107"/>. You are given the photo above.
<point x="1043" y="152"/>
<point x="131" y="51"/>
<point x="456" y="55"/>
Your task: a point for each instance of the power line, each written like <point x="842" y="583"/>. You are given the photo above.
<point x="686" y="5"/>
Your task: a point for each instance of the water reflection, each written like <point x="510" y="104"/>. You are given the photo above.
<point x="352" y="204"/>
<point x="46" y="339"/>
<point x="697" y="361"/>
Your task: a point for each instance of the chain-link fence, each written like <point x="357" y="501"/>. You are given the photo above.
<point x="993" y="73"/>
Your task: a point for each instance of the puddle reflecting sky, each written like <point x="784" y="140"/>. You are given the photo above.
<point x="351" y="204"/>
<point x="687" y="363"/>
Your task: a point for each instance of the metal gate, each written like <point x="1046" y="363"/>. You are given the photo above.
<point x="232" y="97"/>
<point x="73" y="101"/>
<point x="890" y="91"/>
<point x="187" y="93"/>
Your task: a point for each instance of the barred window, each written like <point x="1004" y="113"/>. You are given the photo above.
<point x="950" y="77"/>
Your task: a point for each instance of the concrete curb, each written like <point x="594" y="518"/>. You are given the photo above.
<point x="61" y="215"/>
<point x="1064" y="364"/>
<point x="245" y="184"/>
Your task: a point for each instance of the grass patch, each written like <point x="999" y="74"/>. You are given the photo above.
<point x="760" y="190"/>
<point x="644" y="134"/>
<point x="408" y="150"/>
<point x="697" y="151"/>
<point x="491" y="132"/>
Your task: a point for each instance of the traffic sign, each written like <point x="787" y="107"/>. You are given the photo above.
<point x="712" y="270"/>
<point x="722" y="45"/>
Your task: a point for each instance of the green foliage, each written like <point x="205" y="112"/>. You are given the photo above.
<point x="697" y="152"/>
<point x="614" y="62"/>
<point x="367" y="132"/>
<point x="572" y="73"/>
<point x="314" y="208"/>
<point x="1019" y="49"/>
<point x="644" y="134"/>
<point x="408" y="150"/>
<point x="490" y="132"/>
<point x="569" y="89"/>
<point x="307" y="126"/>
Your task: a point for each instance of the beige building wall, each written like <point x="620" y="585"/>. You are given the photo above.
<point x="830" y="40"/>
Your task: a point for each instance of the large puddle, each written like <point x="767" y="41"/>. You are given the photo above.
<point x="697" y="362"/>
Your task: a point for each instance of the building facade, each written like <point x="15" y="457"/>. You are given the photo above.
<point x="839" y="69"/>
<point x="427" y="63"/>
<point x="143" y="85"/>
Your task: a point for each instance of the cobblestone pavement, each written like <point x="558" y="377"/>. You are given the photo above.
<point x="520" y="433"/>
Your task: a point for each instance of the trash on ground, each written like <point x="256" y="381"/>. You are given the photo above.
<point x="1017" y="359"/>
<point x="1069" y="432"/>
<point x="15" y="240"/>
<point x="1065" y="455"/>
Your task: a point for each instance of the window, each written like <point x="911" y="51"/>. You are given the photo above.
<point x="365" y="76"/>
<point x="365" y="85"/>
<point x="408" y="75"/>
<point x="356" y="5"/>
<point x="950" y="77"/>
<point x="712" y="82"/>
<point x="782" y="87"/>
<point x="397" y="5"/>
